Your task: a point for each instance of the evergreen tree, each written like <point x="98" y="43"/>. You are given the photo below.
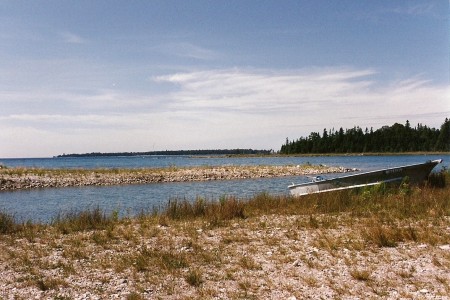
<point x="443" y="140"/>
<point x="395" y="138"/>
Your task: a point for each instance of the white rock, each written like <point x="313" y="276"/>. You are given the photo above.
<point x="444" y="247"/>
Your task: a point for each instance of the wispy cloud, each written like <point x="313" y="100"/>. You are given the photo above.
<point x="227" y="108"/>
<point x="72" y="38"/>
<point x="187" y="50"/>
<point x="407" y="8"/>
<point x="306" y="95"/>
<point x="416" y="9"/>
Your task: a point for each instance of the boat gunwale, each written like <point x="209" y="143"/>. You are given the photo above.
<point x="436" y="162"/>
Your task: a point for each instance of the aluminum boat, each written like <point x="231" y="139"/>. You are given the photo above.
<point x="416" y="174"/>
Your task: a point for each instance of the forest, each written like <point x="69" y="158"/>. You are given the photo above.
<point x="174" y="152"/>
<point x="395" y="138"/>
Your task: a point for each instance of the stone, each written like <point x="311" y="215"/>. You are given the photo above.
<point x="444" y="247"/>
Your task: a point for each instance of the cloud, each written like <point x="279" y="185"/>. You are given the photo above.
<point x="429" y="9"/>
<point x="222" y="108"/>
<point x="72" y="38"/>
<point x="416" y="9"/>
<point x="187" y="50"/>
<point x="332" y="96"/>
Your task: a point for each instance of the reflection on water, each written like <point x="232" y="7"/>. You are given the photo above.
<point x="44" y="204"/>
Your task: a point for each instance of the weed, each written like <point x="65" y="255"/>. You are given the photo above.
<point x="134" y="296"/>
<point x="437" y="179"/>
<point x="59" y="297"/>
<point x="381" y="236"/>
<point x="216" y="212"/>
<point x="249" y="263"/>
<point x="406" y="273"/>
<point x="147" y="259"/>
<point x="163" y="220"/>
<point x="245" y="286"/>
<point x="361" y="275"/>
<point x="311" y="281"/>
<point x="45" y="284"/>
<point x="194" y="277"/>
<point x="313" y="222"/>
<point x="83" y="220"/>
<point x="441" y="279"/>
<point x="8" y="223"/>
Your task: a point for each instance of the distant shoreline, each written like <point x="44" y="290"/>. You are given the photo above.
<point x="241" y="153"/>
<point x="246" y="155"/>
<point x="172" y="152"/>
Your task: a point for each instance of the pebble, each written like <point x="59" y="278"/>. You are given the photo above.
<point x="444" y="247"/>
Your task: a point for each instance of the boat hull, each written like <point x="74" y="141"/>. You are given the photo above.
<point x="416" y="174"/>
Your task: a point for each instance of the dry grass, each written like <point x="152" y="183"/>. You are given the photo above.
<point x="369" y="244"/>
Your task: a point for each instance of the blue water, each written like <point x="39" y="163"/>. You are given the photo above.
<point x="44" y="204"/>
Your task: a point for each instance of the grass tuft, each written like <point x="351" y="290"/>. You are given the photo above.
<point x="134" y="296"/>
<point x="437" y="179"/>
<point x="382" y="236"/>
<point x="227" y="208"/>
<point x="194" y="278"/>
<point x="147" y="259"/>
<point x="8" y="223"/>
<point x="84" y="220"/>
<point x="361" y="275"/>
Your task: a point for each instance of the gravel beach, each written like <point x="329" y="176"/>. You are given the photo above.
<point x="28" y="178"/>
<point x="264" y="257"/>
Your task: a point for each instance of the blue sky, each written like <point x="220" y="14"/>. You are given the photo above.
<point x="109" y="76"/>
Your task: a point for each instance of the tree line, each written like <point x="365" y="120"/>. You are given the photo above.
<point x="173" y="152"/>
<point x="395" y="138"/>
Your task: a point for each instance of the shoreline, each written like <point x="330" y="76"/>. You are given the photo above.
<point x="264" y="155"/>
<point x="32" y="178"/>
<point x="262" y="248"/>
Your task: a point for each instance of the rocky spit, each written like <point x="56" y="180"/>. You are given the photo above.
<point x="29" y="178"/>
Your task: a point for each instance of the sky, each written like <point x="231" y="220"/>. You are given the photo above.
<point x="129" y="76"/>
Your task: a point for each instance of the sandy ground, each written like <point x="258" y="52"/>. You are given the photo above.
<point x="263" y="257"/>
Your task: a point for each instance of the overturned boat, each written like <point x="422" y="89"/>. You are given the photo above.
<point x="416" y="174"/>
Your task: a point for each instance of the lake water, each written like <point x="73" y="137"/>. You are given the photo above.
<point x="44" y="204"/>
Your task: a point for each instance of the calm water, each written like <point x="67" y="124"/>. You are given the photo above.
<point x="43" y="204"/>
